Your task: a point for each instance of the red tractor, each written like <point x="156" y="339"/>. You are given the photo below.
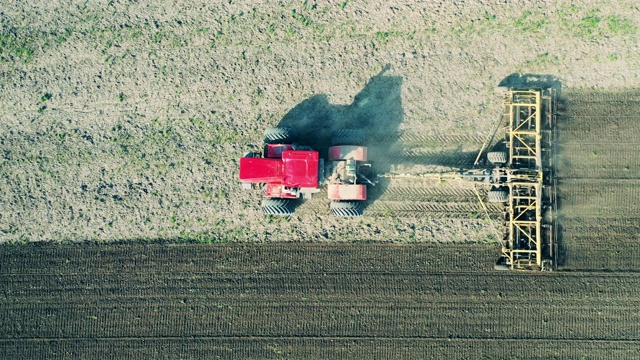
<point x="288" y="171"/>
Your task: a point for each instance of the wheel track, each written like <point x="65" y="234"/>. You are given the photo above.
<point x="467" y="210"/>
<point x="430" y="139"/>
<point x="427" y="193"/>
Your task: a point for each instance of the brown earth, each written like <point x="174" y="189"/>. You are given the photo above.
<point x="274" y="301"/>
<point x="599" y="178"/>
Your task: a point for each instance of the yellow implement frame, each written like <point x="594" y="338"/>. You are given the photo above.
<point x="529" y="242"/>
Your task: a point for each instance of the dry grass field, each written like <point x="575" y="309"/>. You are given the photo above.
<point x="121" y="125"/>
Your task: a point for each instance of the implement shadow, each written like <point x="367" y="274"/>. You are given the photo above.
<point x="532" y="81"/>
<point x="376" y="109"/>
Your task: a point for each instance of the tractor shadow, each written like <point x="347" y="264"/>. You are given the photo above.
<point x="376" y="109"/>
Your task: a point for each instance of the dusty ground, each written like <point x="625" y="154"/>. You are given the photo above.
<point x="124" y="121"/>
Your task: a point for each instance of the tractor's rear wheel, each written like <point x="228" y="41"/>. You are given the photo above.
<point x="497" y="157"/>
<point x="347" y="208"/>
<point x="279" y="135"/>
<point x="278" y="206"/>
<point x="497" y="196"/>
<point x="348" y="137"/>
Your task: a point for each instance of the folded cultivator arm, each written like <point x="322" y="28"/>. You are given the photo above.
<point x="529" y="242"/>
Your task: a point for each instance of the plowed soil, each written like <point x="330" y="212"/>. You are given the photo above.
<point x="599" y="179"/>
<point x="306" y="301"/>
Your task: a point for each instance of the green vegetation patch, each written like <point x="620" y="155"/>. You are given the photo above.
<point x="21" y="44"/>
<point x="531" y="22"/>
<point x="620" y="25"/>
<point x="16" y="44"/>
<point x="595" y="26"/>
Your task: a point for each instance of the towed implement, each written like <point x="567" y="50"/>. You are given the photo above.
<point x="524" y="180"/>
<point x="522" y="177"/>
<point x="519" y="173"/>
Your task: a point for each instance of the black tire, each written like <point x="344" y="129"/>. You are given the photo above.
<point x="501" y="264"/>
<point x="278" y="206"/>
<point x="279" y="135"/>
<point x="497" y="157"/>
<point x="347" y="208"/>
<point x="348" y="137"/>
<point x="497" y="196"/>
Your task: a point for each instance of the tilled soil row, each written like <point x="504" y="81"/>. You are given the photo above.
<point x="599" y="174"/>
<point x="298" y="295"/>
<point x="260" y="348"/>
<point x="245" y="258"/>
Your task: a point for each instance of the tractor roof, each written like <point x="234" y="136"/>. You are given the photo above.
<point x="300" y="168"/>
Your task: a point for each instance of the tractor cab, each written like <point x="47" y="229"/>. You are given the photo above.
<point x="287" y="168"/>
<point x="300" y="168"/>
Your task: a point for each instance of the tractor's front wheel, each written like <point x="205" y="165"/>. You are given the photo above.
<point x="278" y="206"/>
<point x="347" y="208"/>
<point x="279" y="135"/>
